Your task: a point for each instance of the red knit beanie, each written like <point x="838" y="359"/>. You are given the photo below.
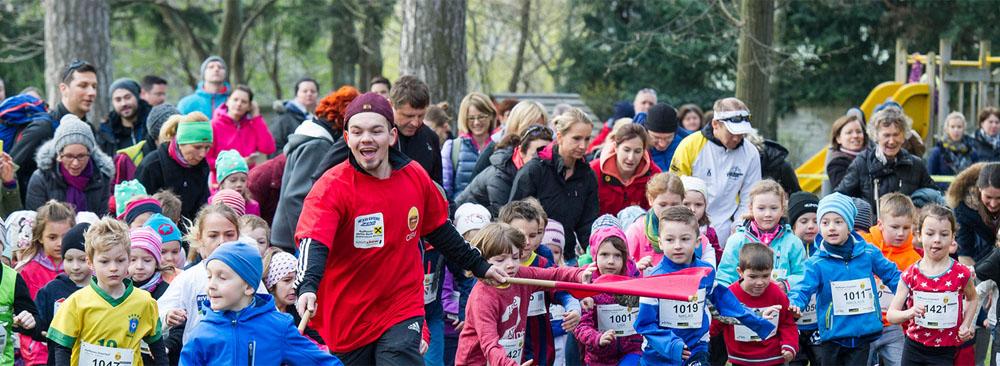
<point x="231" y="198"/>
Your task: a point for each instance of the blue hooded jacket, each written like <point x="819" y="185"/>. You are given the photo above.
<point x="203" y="101"/>
<point x="256" y="335"/>
<point x="665" y="345"/>
<point x="824" y="267"/>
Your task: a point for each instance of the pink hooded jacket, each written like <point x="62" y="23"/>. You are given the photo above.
<point x="588" y="333"/>
<point x="247" y="136"/>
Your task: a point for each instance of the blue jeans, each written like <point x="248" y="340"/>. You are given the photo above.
<point x="889" y="347"/>
<point x="435" y="323"/>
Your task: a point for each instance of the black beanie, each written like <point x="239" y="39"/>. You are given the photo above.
<point x="74" y="238"/>
<point x="662" y="118"/>
<point x="801" y="203"/>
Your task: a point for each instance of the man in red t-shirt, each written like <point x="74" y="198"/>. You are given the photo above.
<point x="370" y="213"/>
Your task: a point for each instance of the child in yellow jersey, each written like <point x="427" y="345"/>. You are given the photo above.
<point x="105" y="323"/>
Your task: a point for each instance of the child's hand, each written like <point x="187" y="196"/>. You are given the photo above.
<point x="423" y="347"/>
<point x="795" y="311"/>
<point x="771" y="312"/>
<point x="588" y="273"/>
<point x="916" y="311"/>
<point x="458" y="324"/>
<point x="528" y="363"/>
<point x="606" y="338"/>
<point x="587" y="303"/>
<point x="787" y="355"/>
<point x="571" y="319"/>
<point x="177" y="317"/>
<point x="644" y="263"/>
<point x="685" y="354"/>
<point x="24" y="320"/>
<point x="966" y="333"/>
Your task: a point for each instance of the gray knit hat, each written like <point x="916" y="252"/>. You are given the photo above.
<point x="125" y="83"/>
<point x="629" y="214"/>
<point x="158" y="115"/>
<point x="204" y="64"/>
<point x="72" y="130"/>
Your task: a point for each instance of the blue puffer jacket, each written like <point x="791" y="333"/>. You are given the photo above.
<point x="825" y="267"/>
<point x="457" y="177"/>
<point x="203" y="101"/>
<point x="789" y="256"/>
<point x="257" y="335"/>
<point x="665" y="345"/>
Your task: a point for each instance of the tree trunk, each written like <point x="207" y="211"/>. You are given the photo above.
<point x="343" y="52"/>
<point x="78" y="29"/>
<point x="753" y="63"/>
<point x="433" y="46"/>
<point x="232" y="16"/>
<point x="519" y="61"/>
<point x="274" y="70"/>
<point x="370" y="60"/>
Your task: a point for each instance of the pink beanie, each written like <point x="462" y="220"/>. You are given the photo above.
<point x="231" y="198"/>
<point x="147" y="239"/>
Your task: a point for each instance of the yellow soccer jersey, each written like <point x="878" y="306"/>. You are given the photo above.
<point x="105" y="331"/>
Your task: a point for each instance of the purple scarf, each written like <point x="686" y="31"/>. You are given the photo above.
<point x="76" y="185"/>
<point x="175" y="153"/>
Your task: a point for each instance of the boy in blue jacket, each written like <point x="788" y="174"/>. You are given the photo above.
<point x="676" y="331"/>
<point x="841" y="275"/>
<point x="245" y="328"/>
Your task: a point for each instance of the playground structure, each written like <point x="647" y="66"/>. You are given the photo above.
<point x="927" y="112"/>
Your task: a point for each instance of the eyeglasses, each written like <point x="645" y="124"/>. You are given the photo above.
<point x="82" y="158"/>
<point x="736" y="119"/>
<point x="76" y="64"/>
<point x="480" y="118"/>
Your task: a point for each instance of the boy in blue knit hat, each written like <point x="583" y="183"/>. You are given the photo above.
<point x="261" y="335"/>
<point x="841" y="275"/>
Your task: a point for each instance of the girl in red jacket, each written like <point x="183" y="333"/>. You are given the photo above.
<point x="606" y="330"/>
<point x="496" y="317"/>
<point x="41" y="262"/>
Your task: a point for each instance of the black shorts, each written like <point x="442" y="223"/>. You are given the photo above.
<point x="915" y="353"/>
<point x="399" y="345"/>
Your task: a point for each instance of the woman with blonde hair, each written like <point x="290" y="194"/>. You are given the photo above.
<point x="561" y="180"/>
<point x="179" y="163"/>
<point x="476" y="119"/>
<point x="524" y="115"/>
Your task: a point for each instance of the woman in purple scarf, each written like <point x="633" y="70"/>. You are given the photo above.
<point x="71" y="169"/>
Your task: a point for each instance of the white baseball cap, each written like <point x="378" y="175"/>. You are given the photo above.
<point x="737" y="122"/>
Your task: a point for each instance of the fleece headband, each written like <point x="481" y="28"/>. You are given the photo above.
<point x="194" y="132"/>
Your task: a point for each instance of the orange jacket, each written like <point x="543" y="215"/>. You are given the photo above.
<point x="904" y="255"/>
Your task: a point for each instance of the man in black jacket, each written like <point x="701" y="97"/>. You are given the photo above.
<point x="78" y="88"/>
<point x="295" y="111"/>
<point x="126" y="123"/>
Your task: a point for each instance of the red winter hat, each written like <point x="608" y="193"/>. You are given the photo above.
<point x="369" y="102"/>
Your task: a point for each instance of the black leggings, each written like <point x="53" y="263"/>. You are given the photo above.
<point x="917" y="354"/>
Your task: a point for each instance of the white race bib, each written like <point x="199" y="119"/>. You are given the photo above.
<point x="885" y="295"/>
<point x="744" y="334"/>
<point x="513" y="347"/>
<point x="683" y="314"/>
<point x="430" y="290"/>
<point x="942" y="309"/>
<point x="852" y="297"/>
<point x="808" y="313"/>
<point x="617" y="318"/>
<point x="369" y="231"/>
<point x="94" y="355"/>
<point x="556" y="312"/>
<point x="537" y="304"/>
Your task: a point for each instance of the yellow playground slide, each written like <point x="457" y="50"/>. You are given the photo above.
<point x="914" y="98"/>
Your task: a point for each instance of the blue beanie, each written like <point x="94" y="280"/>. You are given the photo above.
<point x="243" y="258"/>
<point x="165" y="227"/>
<point x="839" y="204"/>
